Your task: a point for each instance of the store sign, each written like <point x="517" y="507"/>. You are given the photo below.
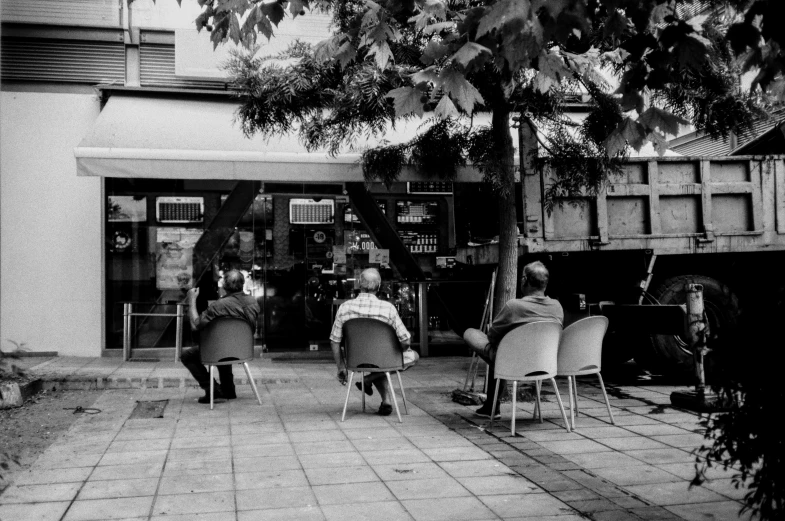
<point x="357" y="242"/>
<point x="379" y="256"/>
<point x="174" y="266"/>
<point x="339" y="254"/>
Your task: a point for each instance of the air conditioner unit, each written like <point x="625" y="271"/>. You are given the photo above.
<point x="179" y="209"/>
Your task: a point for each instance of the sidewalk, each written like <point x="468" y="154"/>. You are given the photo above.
<point x="292" y="458"/>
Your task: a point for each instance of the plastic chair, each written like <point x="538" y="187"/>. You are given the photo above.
<point x="580" y="352"/>
<point x="371" y="342"/>
<point x="227" y="341"/>
<point x="528" y="354"/>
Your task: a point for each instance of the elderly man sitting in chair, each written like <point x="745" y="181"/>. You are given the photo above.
<point x="367" y="305"/>
<point x="235" y="304"/>
<point x="533" y="306"/>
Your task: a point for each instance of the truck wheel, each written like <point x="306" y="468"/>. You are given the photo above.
<point x="671" y="353"/>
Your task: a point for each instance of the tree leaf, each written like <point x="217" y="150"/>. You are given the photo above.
<point x="458" y="87"/>
<point x="296" y="7"/>
<point x="629" y="132"/>
<point x="407" y="100"/>
<point x="433" y="52"/>
<point x="657" y="119"/>
<point x="438" y="27"/>
<point x="326" y="50"/>
<point x="659" y="142"/>
<point x="381" y="51"/>
<point x="445" y="109"/>
<point x="502" y="13"/>
<point x="427" y="75"/>
<point x="346" y="54"/>
<point x="468" y="52"/>
<point x="552" y="71"/>
<point x="239" y="6"/>
<point x="274" y="12"/>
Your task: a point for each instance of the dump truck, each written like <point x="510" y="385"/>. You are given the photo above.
<point x="659" y="225"/>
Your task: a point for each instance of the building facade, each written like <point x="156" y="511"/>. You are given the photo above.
<point x="125" y="181"/>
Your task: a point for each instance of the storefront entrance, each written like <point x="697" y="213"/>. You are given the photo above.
<point x="300" y="246"/>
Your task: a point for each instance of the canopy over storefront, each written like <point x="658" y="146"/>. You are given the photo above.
<point x="166" y="138"/>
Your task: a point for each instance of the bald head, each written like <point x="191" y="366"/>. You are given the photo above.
<point x="233" y="281"/>
<point x="536" y="275"/>
<point x="370" y="280"/>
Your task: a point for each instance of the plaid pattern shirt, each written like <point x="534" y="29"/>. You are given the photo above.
<point x="367" y="305"/>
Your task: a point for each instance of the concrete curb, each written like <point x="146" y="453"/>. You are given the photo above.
<point x="14" y="394"/>
<point x="86" y="383"/>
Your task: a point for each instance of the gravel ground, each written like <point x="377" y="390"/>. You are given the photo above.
<point x="26" y="431"/>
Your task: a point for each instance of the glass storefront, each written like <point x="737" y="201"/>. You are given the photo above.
<point x="301" y="247"/>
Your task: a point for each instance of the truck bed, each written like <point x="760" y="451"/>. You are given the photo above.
<point x="670" y="205"/>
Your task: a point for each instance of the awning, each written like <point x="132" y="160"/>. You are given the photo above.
<point x="164" y="138"/>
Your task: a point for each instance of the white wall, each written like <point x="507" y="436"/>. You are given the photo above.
<point x="51" y="274"/>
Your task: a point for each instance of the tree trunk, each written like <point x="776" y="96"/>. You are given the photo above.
<point x="507" y="279"/>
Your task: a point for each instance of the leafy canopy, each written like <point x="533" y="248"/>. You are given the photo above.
<point x="642" y="67"/>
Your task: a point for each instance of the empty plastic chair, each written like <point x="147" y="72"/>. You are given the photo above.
<point x="372" y="346"/>
<point x="226" y="341"/>
<point x="580" y="352"/>
<point x="528" y="354"/>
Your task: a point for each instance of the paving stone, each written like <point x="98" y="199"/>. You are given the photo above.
<point x="529" y="505"/>
<point x="664" y="494"/>
<point x="376" y="511"/>
<point x="449" y="509"/>
<point x="102" y="509"/>
<point x="50" y="511"/>
<point x="351" y="493"/>
<point x="309" y="513"/>
<point x="274" y="498"/>
<point x="118" y="488"/>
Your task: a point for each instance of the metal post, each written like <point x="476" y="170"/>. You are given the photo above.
<point x="178" y="343"/>
<point x="126" y="331"/>
<point x="697" y="332"/>
<point x="423" y="304"/>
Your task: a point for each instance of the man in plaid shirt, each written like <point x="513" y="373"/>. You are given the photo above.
<point x="367" y="305"/>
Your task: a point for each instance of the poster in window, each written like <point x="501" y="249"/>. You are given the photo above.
<point x="174" y="264"/>
<point x="127" y="209"/>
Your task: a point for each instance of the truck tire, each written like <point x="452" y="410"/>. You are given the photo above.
<point x="670" y="354"/>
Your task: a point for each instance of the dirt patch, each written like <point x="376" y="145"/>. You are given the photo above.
<point x="26" y="431"/>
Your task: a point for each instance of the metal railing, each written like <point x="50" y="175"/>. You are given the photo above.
<point x="128" y="314"/>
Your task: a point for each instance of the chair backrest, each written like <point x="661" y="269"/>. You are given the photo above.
<point x="226" y="339"/>
<point x="371" y="341"/>
<point x="529" y="352"/>
<point x="580" y="349"/>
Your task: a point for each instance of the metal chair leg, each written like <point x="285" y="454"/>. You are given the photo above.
<point x="538" y="384"/>
<point x="362" y="387"/>
<point x="493" y="406"/>
<point x="403" y="393"/>
<point x="212" y="384"/>
<point x="607" y="403"/>
<point x="392" y="392"/>
<point x="253" y="384"/>
<point x="514" y="396"/>
<point x="561" y="405"/>
<point x="348" y="391"/>
<point x="471" y="368"/>
<point x="569" y="392"/>
<point x="575" y="390"/>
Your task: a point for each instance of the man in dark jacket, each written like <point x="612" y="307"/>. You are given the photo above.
<point x="235" y="304"/>
<point x="533" y="306"/>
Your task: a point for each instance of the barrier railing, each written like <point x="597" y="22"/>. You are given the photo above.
<point x="128" y="314"/>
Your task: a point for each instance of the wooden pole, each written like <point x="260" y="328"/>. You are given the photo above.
<point x="697" y="332"/>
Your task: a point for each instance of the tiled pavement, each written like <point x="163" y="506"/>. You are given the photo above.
<point x="292" y="458"/>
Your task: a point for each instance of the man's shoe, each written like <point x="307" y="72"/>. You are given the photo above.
<point x="217" y="394"/>
<point x="229" y="393"/>
<point x="368" y="388"/>
<point x="385" y="409"/>
<point x="486" y="413"/>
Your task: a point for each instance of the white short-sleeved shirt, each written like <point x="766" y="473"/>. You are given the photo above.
<point x="367" y="305"/>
